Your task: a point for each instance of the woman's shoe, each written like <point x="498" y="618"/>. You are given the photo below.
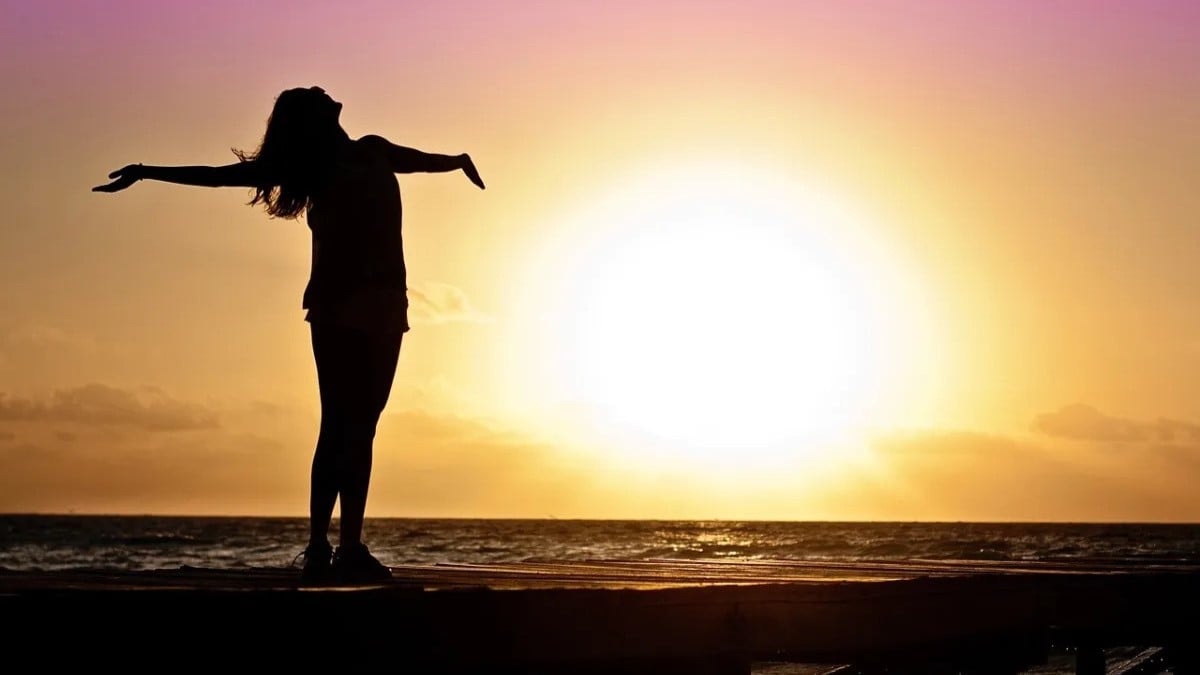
<point x="318" y="564"/>
<point x="354" y="564"/>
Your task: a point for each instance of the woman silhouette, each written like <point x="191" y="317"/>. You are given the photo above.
<point x="355" y="297"/>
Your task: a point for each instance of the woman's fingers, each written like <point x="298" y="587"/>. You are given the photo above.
<point x="116" y="185"/>
<point x="473" y="174"/>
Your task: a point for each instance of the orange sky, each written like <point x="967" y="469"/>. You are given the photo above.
<point x="778" y="260"/>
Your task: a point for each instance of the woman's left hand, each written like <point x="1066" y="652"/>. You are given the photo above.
<point x="125" y="176"/>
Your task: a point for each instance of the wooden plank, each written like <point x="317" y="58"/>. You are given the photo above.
<point x="548" y="616"/>
<point x="1148" y="661"/>
<point x="1090" y="661"/>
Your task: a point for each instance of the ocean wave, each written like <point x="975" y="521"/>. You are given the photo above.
<point x="153" y="539"/>
<point x="55" y="542"/>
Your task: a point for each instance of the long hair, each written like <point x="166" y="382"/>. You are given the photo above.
<point x="296" y="151"/>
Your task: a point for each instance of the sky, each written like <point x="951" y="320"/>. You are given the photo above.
<point x="736" y="260"/>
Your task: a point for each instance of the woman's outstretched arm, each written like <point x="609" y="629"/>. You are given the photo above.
<point x="409" y="160"/>
<point x="238" y="174"/>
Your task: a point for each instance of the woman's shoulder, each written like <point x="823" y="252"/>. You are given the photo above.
<point x="372" y="149"/>
<point x="373" y="142"/>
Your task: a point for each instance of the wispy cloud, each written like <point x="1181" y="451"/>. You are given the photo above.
<point x="24" y="337"/>
<point x="947" y="442"/>
<point x="101" y="405"/>
<point x="967" y="475"/>
<point x="436" y="302"/>
<point x="1084" y="423"/>
<point x="69" y="452"/>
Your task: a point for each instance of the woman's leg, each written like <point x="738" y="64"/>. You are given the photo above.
<point x="355" y="371"/>
<point x="373" y="371"/>
<point x="329" y="352"/>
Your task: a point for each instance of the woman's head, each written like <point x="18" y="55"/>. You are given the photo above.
<point x="305" y="109"/>
<point x="297" y="148"/>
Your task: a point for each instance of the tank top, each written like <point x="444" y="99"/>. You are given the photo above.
<point x="358" y="277"/>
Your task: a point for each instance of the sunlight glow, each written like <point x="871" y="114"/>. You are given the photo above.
<point x="722" y="314"/>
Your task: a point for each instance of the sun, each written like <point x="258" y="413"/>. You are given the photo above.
<point x="720" y="314"/>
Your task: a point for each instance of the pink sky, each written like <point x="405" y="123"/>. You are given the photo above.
<point x="1032" y="164"/>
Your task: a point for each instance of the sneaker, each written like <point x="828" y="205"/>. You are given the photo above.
<point x="355" y="565"/>
<point x="318" y="564"/>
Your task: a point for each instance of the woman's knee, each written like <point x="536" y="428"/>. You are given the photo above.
<point x="349" y="430"/>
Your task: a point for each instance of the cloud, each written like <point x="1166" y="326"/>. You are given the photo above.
<point x="427" y="463"/>
<point x="40" y="334"/>
<point x="39" y="356"/>
<point x="435" y="302"/>
<point x="967" y="475"/>
<point x="947" y="442"/>
<point x="442" y="464"/>
<point x="101" y="405"/>
<point x="15" y="340"/>
<point x="1084" y="423"/>
<point x="23" y="338"/>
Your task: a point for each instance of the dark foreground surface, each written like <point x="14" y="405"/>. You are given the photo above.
<point x="662" y="616"/>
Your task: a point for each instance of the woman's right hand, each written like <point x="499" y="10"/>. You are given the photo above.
<point x="472" y="173"/>
<point x="124" y="177"/>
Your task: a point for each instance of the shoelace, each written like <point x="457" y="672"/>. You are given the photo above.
<point x="306" y="551"/>
<point x="359" y="555"/>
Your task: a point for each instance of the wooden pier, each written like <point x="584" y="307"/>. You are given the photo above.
<point x="661" y="617"/>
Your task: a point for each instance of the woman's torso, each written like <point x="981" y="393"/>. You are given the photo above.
<point x="358" y="274"/>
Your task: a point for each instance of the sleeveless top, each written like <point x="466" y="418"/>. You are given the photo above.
<point x="358" y="275"/>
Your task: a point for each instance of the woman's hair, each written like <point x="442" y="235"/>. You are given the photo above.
<point x="296" y="151"/>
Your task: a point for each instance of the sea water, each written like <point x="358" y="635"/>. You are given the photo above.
<point x="152" y="542"/>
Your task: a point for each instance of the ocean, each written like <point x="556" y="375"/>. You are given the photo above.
<point x="50" y="542"/>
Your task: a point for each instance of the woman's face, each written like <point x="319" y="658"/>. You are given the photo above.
<point x="325" y="105"/>
<point x="328" y="105"/>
